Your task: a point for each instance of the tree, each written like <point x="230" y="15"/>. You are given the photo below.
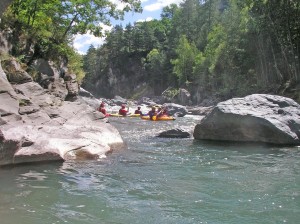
<point x="155" y="67"/>
<point x="169" y="11"/>
<point x="185" y="61"/>
<point x="128" y="38"/>
<point x="277" y="31"/>
<point x="115" y="41"/>
<point x="90" y="61"/>
<point x="54" y="22"/>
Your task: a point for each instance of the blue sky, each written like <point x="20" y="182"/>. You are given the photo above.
<point x="151" y="10"/>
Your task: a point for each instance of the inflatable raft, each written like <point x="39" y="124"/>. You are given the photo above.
<point x="129" y="115"/>
<point x="163" y="118"/>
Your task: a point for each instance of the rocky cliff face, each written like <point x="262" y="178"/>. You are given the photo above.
<point x="128" y="80"/>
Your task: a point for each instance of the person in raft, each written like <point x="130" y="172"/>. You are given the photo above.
<point x="138" y="111"/>
<point x="102" y="109"/>
<point x="152" y="113"/>
<point x="123" y="110"/>
<point x="162" y="112"/>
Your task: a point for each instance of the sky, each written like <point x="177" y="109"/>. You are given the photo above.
<point x="151" y="10"/>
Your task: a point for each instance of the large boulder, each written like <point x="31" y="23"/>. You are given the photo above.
<point x="36" y="125"/>
<point x="71" y="131"/>
<point x="255" y="118"/>
<point x="176" y="109"/>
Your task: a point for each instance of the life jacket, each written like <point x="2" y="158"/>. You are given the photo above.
<point x="123" y="112"/>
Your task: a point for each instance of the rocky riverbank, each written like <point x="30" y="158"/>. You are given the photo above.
<point x="38" y="124"/>
<point x="55" y="120"/>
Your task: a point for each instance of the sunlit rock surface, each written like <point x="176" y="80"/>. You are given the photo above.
<point x="37" y="125"/>
<point x="255" y="118"/>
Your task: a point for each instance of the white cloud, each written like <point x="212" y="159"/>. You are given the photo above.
<point x="143" y="20"/>
<point x="160" y="4"/>
<point x="83" y="41"/>
<point x="120" y="5"/>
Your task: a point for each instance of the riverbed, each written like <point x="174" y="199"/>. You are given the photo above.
<point x="158" y="180"/>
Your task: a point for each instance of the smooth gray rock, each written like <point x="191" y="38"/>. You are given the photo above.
<point x="175" y="109"/>
<point x="254" y="118"/>
<point x="174" y="133"/>
<point x="9" y="105"/>
<point x="80" y="134"/>
<point x="38" y="95"/>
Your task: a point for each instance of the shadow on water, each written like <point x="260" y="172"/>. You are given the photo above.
<point x="244" y="147"/>
<point x="30" y="165"/>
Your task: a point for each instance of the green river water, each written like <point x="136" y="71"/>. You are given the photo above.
<point x="158" y="181"/>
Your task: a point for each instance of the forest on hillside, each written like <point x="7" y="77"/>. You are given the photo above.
<point x="212" y="48"/>
<point x="221" y="48"/>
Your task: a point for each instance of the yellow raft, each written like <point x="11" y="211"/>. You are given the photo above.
<point x="163" y="118"/>
<point x="119" y="115"/>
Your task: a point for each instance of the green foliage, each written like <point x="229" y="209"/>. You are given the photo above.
<point x="75" y="65"/>
<point x="185" y="61"/>
<point x="222" y="47"/>
<point x="90" y="62"/>
<point x="154" y="65"/>
<point x="216" y="45"/>
<point x="47" y="27"/>
<point x="171" y="93"/>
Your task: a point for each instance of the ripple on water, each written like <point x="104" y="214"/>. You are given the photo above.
<point x="159" y="181"/>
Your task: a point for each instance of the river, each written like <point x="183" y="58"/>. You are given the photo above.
<point x="158" y="180"/>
